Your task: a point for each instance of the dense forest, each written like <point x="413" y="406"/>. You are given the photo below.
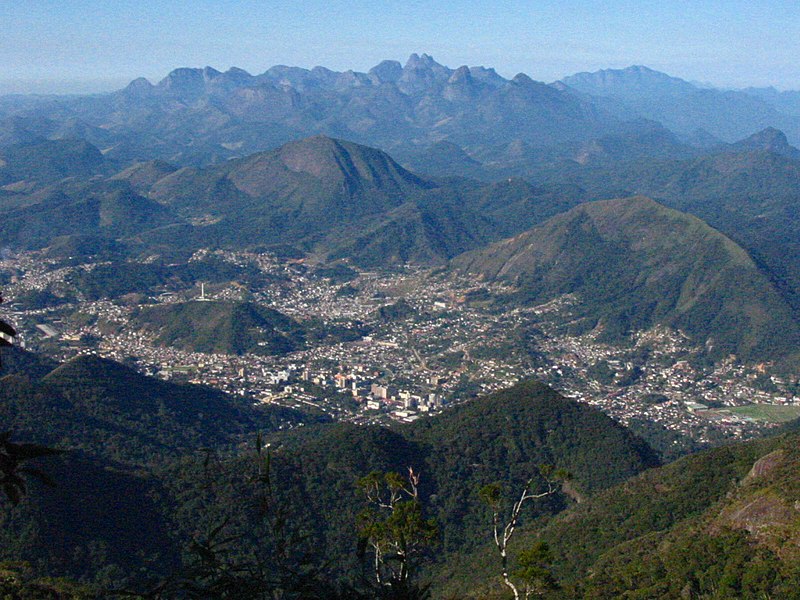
<point x="151" y="469"/>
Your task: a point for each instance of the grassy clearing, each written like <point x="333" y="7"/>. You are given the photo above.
<point x="767" y="412"/>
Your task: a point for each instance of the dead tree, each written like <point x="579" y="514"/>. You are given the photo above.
<point x="503" y="530"/>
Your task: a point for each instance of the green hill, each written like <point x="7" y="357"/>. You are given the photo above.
<point x="99" y="524"/>
<point x="500" y="437"/>
<point x="747" y="192"/>
<point x="120" y="277"/>
<point x="425" y="233"/>
<point x="17" y="361"/>
<point x="41" y="162"/>
<point x="113" y="212"/>
<point x="107" y="517"/>
<point x="634" y="263"/>
<point x="329" y="196"/>
<point x="296" y="191"/>
<point x="221" y="327"/>
<point x="504" y="437"/>
<point x="143" y="175"/>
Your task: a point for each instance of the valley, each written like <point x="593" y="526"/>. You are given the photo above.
<point x="403" y="344"/>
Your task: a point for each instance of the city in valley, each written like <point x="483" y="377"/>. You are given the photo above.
<point x="412" y="342"/>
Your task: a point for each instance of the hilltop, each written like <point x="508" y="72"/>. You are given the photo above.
<point x="108" y="410"/>
<point x="335" y="198"/>
<point x="748" y="190"/>
<point x="221" y="327"/>
<point x="117" y="429"/>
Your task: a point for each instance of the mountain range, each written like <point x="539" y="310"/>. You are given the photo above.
<point x="691" y="111"/>
<point x="198" y="116"/>
<point x="235" y="113"/>
<point x="319" y="194"/>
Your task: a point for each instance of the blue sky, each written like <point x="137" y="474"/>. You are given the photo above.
<point x="92" y="45"/>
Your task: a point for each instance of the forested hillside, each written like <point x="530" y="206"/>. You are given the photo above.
<point x="719" y="524"/>
<point x="187" y="460"/>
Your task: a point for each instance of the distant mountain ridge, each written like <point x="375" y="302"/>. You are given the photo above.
<point x="201" y="116"/>
<point x="683" y="107"/>
<point x="233" y="114"/>
<point x="402" y="108"/>
<point x="632" y="82"/>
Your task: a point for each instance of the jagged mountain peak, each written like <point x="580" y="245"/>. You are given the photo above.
<point x="323" y="72"/>
<point x="184" y="82"/>
<point x="207" y="115"/>
<point x="522" y="79"/>
<point x="188" y="80"/>
<point x="769" y="139"/>
<point x="236" y="71"/>
<point x="461" y="74"/>
<point x="138" y="86"/>
<point x="416" y="61"/>
<point x="643" y="70"/>
<point x="210" y="73"/>
<point x="422" y="74"/>
<point x="181" y="75"/>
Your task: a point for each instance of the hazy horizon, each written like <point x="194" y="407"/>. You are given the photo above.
<point x="104" y="85"/>
<point x="93" y="46"/>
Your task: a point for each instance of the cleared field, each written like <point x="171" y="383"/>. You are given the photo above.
<point x="766" y="412"/>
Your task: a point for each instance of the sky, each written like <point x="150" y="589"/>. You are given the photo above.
<point x="71" y="46"/>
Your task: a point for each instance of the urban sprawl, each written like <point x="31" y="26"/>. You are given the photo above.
<point x="449" y="343"/>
